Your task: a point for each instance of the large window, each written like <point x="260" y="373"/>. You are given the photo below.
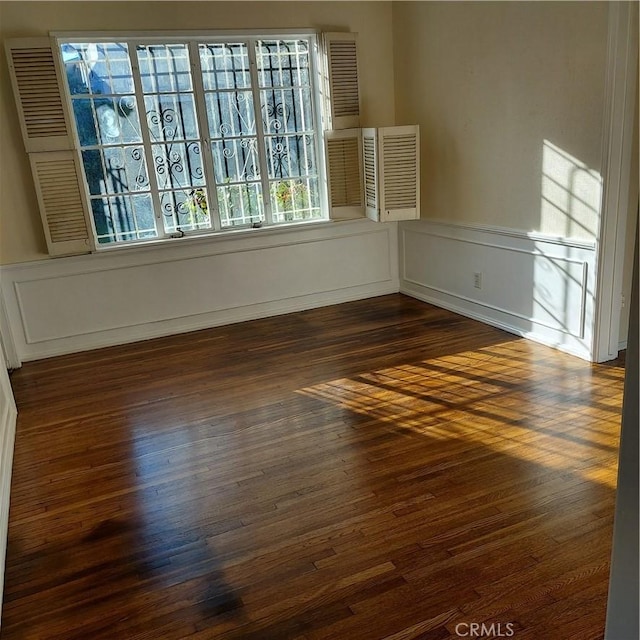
<point x="197" y="135"/>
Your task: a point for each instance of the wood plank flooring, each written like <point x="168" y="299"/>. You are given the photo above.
<point x="381" y="469"/>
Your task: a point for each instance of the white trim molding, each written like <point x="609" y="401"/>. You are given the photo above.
<point x="7" y="343"/>
<point x="620" y="90"/>
<point x="537" y="287"/>
<point x="85" y="302"/>
<point x="8" y="416"/>
<point x="578" y="243"/>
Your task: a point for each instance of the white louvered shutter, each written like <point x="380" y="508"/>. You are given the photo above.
<point x="38" y="94"/>
<point x="36" y="80"/>
<point x="57" y="179"/>
<point x="344" y="173"/>
<point x="399" y="173"/>
<point x="370" y="171"/>
<point x="342" y="75"/>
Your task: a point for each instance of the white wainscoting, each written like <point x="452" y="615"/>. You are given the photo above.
<point x="7" y="437"/>
<point x="66" y="305"/>
<point x="536" y="286"/>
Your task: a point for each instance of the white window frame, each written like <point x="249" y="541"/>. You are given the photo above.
<point x="192" y="39"/>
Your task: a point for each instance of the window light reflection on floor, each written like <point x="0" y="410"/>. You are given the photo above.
<point x="460" y="397"/>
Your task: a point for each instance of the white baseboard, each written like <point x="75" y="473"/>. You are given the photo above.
<point x="505" y="326"/>
<point x="532" y="286"/>
<point x="150" y="330"/>
<point x="54" y="307"/>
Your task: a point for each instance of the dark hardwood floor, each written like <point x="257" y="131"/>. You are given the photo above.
<point x="378" y="469"/>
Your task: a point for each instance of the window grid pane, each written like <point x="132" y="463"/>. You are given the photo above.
<point x="171" y="120"/>
<point x="295" y="200"/>
<point x="225" y="66"/>
<point x="102" y="68"/>
<point x="100" y="82"/>
<point x="286" y="99"/>
<point x="123" y="218"/>
<point x="232" y="133"/>
<point x="241" y="204"/>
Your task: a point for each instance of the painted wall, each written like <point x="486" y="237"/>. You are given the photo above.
<point x="21" y="235"/>
<point x="509" y="98"/>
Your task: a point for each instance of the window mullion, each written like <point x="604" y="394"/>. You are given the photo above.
<point x="205" y="134"/>
<point x="261" y="141"/>
<point x="317" y="115"/>
<point x="146" y="139"/>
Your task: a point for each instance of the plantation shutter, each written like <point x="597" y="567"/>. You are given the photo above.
<point x="399" y="173"/>
<point x="344" y="173"/>
<point x="57" y="180"/>
<point x="374" y="171"/>
<point x="370" y="171"/>
<point x="342" y="76"/>
<point x="391" y="173"/>
<point x="46" y="132"/>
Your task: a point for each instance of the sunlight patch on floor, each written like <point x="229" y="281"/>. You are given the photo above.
<point x="499" y="397"/>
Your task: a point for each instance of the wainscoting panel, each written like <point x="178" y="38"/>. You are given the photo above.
<point x="72" y="304"/>
<point x="537" y="286"/>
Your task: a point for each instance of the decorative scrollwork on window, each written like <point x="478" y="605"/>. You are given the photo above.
<point x="185" y="208"/>
<point x="193" y="149"/>
<point x="239" y="109"/>
<point x="279" y="157"/>
<point x="163" y="122"/>
<point x="173" y="210"/>
<point x="277" y="115"/>
<point x="288" y="157"/>
<point x="126" y="104"/>
<point x="244" y="150"/>
<point x="142" y="180"/>
<point x="176" y="165"/>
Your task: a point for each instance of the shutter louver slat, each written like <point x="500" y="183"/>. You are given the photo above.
<point x="400" y="173"/>
<point x="344" y="79"/>
<point x="345" y="188"/>
<point x="342" y="73"/>
<point x="344" y="173"/>
<point x="374" y="172"/>
<point x="370" y="166"/>
<point x="38" y="95"/>
<point x="369" y="172"/>
<point x="57" y="186"/>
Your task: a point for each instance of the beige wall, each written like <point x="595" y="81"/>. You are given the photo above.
<point x="501" y="89"/>
<point x="21" y="236"/>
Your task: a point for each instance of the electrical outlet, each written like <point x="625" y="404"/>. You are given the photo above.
<point x="623" y="301"/>
<point x="477" y="280"/>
